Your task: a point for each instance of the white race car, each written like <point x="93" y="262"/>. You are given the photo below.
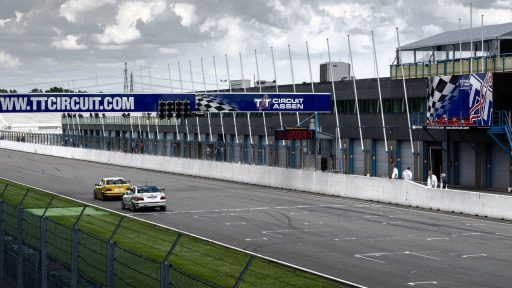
<point x="144" y="196"/>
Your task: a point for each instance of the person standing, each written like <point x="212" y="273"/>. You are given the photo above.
<point x="444" y="181"/>
<point x="432" y="180"/>
<point x="407" y="174"/>
<point x="394" y="175"/>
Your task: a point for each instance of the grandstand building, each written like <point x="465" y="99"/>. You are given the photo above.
<point x="41" y="122"/>
<point x="472" y="147"/>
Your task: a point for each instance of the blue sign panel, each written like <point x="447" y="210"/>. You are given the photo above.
<point x="264" y="102"/>
<point x="217" y="102"/>
<point x="465" y="100"/>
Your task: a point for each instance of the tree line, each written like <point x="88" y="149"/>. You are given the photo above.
<point x="51" y="90"/>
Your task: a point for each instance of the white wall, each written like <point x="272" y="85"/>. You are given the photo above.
<point x="352" y="186"/>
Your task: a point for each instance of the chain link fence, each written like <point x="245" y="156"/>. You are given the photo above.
<point x="50" y="241"/>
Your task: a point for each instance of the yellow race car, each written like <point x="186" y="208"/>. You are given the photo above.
<point x="111" y="187"/>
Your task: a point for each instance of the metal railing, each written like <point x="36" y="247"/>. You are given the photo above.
<point x="420" y="119"/>
<point x="110" y="120"/>
<point x="298" y="156"/>
<point x="502" y="63"/>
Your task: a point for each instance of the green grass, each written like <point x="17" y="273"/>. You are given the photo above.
<point x="141" y="246"/>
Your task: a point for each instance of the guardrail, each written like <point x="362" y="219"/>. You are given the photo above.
<point x="452" y="67"/>
<point x="53" y="241"/>
<point x="286" y="156"/>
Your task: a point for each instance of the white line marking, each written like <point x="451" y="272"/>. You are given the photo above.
<point x="338" y="239"/>
<point x="475" y="255"/>
<point x="195" y="216"/>
<point x="367" y="258"/>
<point x="254" y="239"/>
<point x="371" y="216"/>
<point x="279" y="231"/>
<point x="385" y="223"/>
<point x="467" y="234"/>
<point x="312" y="223"/>
<point x="504" y="234"/>
<point x="245" y="209"/>
<point x="421" y="255"/>
<point x="383" y="239"/>
<point x="419" y="283"/>
<point x="475" y="224"/>
<point x="430" y="212"/>
<point x="236" y="223"/>
<point x="441" y="238"/>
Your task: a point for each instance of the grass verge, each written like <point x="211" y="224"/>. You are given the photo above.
<point x="140" y="247"/>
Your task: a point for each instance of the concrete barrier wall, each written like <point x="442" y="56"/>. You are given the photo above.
<point x="352" y="186"/>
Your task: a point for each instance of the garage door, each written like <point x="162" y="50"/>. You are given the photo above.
<point x="500" y="168"/>
<point x="406" y="157"/>
<point x="381" y="158"/>
<point x="466" y="164"/>
<point x="358" y="158"/>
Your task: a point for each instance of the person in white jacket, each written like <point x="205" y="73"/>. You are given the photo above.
<point x="394" y="175"/>
<point x="407" y="174"/>
<point x="432" y="180"/>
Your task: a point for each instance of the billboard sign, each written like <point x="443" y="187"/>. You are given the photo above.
<point x="465" y="100"/>
<point x="215" y="102"/>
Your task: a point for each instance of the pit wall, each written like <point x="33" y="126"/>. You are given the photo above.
<point x="352" y="186"/>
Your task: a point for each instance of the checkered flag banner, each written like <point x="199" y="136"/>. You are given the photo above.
<point x="211" y="103"/>
<point x="441" y="95"/>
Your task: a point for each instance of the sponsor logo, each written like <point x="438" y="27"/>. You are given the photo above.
<point x="65" y="103"/>
<point x="276" y="104"/>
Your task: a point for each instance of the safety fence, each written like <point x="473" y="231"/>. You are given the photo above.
<point x="51" y="241"/>
<point x="297" y="154"/>
<point x="452" y="67"/>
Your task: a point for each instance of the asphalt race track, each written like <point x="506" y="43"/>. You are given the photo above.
<point x="371" y="244"/>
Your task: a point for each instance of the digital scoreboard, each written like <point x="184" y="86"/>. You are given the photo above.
<point x="295" y="133"/>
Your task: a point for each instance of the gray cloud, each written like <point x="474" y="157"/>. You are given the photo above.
<point x="63" y="35"/>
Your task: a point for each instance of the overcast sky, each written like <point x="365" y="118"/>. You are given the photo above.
<point x="84" y="43"/>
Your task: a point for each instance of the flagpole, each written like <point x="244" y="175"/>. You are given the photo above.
<point x="245" y="91"/>
<point x="193" y="90"/>
<point x="316" y="113"/>
<point x="202" y="72"/>
<point x="460" y="46"/>
<point x="230" y="91"/>
<point x="482" y="59"/>
<point x="204" y="88"/>
<point x="217" y="86"/>
<point x="338" y="135"/>
<point x="259" y="85"/>
<point x="181" y="88"/>
<point x="355" y="92"/>
<point x="471" y="37"/>
<point x="405" y="90"/>
<point x="277" y="86"/>
<point x="170" y="79"/>
<point x="310" y="71"/>
<point x="293" y="78"/>
<point x="380" y="92"/>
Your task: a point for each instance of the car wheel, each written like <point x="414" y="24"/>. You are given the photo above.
<point x="133" y="207"/>
<point x="94" y="195"/>
<point x="102" y="196"/>
<point x="162" y="208"/>
<point x="122" y="205"/>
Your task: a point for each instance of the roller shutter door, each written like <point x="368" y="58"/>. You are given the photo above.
<point x="500" y="168"/>
<point x="381" y="158"/>
<point x="406" y="157"/>
<point x="358" y="158"/>
<point x="466" y="164"/>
